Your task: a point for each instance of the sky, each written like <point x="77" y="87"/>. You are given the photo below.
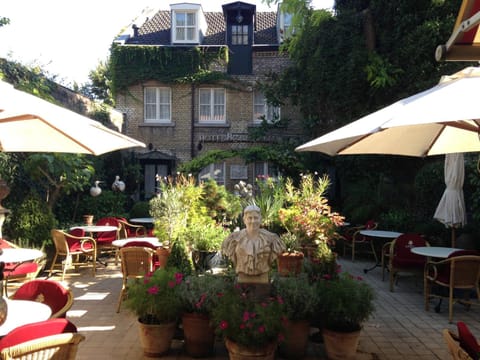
<point x="68" y="39"/>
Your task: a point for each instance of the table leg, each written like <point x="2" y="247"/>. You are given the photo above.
<point x="377" y="262"/>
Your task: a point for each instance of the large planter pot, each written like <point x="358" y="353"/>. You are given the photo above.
<point x="162" y="255"/>
<point x="340" y="345"/>
<point x="296" y="339"/>
<point x="156" y="339"/>
<point x="240" y="352"/>
<point x="290" y="263"/>
<point x="199" y="336"/>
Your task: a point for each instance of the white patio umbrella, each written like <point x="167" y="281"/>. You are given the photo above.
<point x="31" y="124"/>
<point x="443" y="119"/>
<point x="451" y="208"/>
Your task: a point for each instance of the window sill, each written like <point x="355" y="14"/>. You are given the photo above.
<point x="159" y="124"/>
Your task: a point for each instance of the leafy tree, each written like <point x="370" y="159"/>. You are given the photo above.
<point x="99" y="86"/>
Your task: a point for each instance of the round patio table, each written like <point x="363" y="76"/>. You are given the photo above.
<point x="383" y="234"/>
<point x="434" y="251"/>
<point x="22" y="312"/>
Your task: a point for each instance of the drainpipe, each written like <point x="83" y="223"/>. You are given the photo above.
<point x="192" y="123"/>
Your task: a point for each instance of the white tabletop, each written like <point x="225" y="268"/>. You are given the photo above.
<point x="96" y="228"/>
<point x="14" y="255"/>
<point x="434" y="251"/>
<point x="22" y="312"/>
<point x="144" y="220"/>
<point x="381" y="233"/>
<point x="151" y="240"/>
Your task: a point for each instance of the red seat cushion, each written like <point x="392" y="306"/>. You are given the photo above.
<point x="48" y="292"/>
<point x="75" y="245"/>
<point x="468" y="341"/>
<point x="15" y="269"/>
<point x="36" y="330"/>
<point x="107" y="237"/>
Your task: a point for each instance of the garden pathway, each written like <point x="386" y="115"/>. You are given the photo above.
<point x="399" y="329"/>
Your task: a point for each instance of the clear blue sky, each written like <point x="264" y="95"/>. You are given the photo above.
<point x="69" y="38"/>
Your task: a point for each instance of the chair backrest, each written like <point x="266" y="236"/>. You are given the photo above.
<point x="54" y="347"/>
<point x="403" y="244"/>
<point x="36" y="330"/>
<point x="371" y="225"/>
<point x="462" y="270"/>
<point x="108" y="236"/>
<point x="454" y="347"/>
<point x="140" y="243"/>
<point x="49" y="292"/>
<point x="128" y="230"/>
<point x="60" y="241"/>
<point x="75" y="240"/>
<point x="136" y="261"/>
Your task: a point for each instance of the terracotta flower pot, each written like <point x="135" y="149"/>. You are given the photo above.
<point x="296" y="339"/>
<point x="340" y="345"/>
<point x="156" y="338"/>
<point x="290" y="263"/>
<point x="240" y="352"/>
<point x="198" y="334"/>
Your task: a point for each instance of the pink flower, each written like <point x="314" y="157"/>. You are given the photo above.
<point x="153" y="290"/>
<point x="223" y="325"/>
<point x="327" y="276"/>
<point x="359" y="278"/>
<point x="171" y="284"/>
<point x="261" y="329"/>
<point x="245" y="316"/>
<point x="242" y="326"/>
<point x="178" y="278"/>
<point x="281" y="338"/>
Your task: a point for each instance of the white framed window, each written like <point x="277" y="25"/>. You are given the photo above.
<point x="263" y="110"/>
<point x="239" y="34"/>
<point x="215" y="172"/>
<point x="157" y="103"/>
<point x="212" y="105"/>
<point x="185" y="26"/>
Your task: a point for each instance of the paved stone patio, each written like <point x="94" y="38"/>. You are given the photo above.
<point x="399" y="329"/>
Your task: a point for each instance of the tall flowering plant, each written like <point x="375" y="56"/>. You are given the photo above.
<point x="155" y="297"/>
<point x="247" y="320"/>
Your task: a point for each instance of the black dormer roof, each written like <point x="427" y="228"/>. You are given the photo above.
<point x="156" y="30"/>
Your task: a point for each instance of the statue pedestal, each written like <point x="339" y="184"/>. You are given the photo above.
<point x="258" y="285"/>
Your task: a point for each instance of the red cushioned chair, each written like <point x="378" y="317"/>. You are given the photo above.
<point x="458" y="276"/>
<point x="27" y="270"/>
<point x="49" y="292"/>
<point x="128" y="230"/>
<point x="51" y="339"/>
<point x="105" y="239"/>
<point x="397" y="256"/>
<point x="468" y="342"/>
<point x="453" y="342"/>
<point x="77" y="249"/>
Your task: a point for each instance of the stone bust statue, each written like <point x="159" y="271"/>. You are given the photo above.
<point x="252" y="250"/>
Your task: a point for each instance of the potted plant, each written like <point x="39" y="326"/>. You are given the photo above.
<point x="155" y="301"/>
<point x="199" y="294"/>
<point x="300" y="302"/>
<point x="307" y="214"/>
<point x="250" y="326"/>
<point x="290" y="261"/>
<point x="205" y="240"/>
<point x="346" y="302"/>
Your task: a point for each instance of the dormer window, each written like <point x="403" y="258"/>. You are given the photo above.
<point x="185" y="26"/>
<point x="188" y="23"/>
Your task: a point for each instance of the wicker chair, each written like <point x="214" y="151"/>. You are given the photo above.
<point x="352" y="238"/>
<point x="454" y="348"/>
<point x="55" y="339"/>
<point x="77" y="250"/>
<point x="49" y="292"/>
<point x="458" y="272"/>
<point x="128" y="230"/>
<point x="136" y="262"/>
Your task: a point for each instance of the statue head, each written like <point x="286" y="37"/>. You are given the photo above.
<point x="251" y="208"/>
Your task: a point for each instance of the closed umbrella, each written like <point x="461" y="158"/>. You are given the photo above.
<point x="451" y="208"/>
<point x="31" y="124"/>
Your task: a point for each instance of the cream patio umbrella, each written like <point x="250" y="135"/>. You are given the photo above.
<point x="31" y="124"/>
<point x="443" y="119"/>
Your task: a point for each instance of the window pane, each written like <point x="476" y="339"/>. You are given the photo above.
<point x="190" y="34"/>
<point x="180" y="33"/>
<point x="180" y="19"/>
<point x="190" y="19"/>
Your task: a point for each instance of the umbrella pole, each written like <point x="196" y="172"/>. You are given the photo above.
<point x="453" y="236"/>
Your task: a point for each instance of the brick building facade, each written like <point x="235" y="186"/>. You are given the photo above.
<point x="182" y="121"/>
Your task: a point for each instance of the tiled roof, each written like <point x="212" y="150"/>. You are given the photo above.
<point x="156" y="31"/>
